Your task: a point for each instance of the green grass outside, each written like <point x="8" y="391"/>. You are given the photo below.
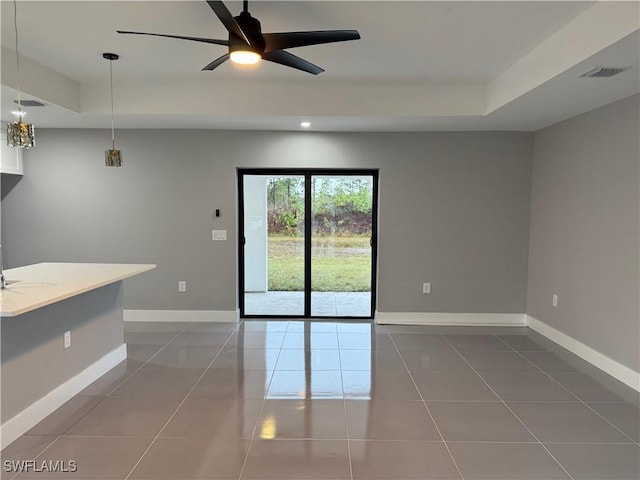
<point x="339" y="264"/>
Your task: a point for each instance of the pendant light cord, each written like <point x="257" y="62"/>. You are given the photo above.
<point x="15" y="24"/>
<point x="113" y="136"/>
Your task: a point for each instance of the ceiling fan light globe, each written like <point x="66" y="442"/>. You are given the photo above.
<point x="245" y="57"/>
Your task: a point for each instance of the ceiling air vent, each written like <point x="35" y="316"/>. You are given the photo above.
<point x="30" y="103"/>
<point x="604" y="72"/>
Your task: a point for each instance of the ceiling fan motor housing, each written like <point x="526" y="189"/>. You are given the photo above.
<point x="253" y="30"/>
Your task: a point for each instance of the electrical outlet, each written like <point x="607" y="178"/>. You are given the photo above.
<point x="426" y="287"/>
<point x="182" y="286"/>
<point x="554" y="300"/>
<point x="67" y="339"/>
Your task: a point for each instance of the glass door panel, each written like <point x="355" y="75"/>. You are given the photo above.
<point x="341" y="245"/>
<point x="274" y="245"/>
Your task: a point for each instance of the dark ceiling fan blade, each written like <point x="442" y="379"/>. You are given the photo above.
<point x="279" y="41"/>
<point x="227" y="19"/>
<point x="290" y="60"/>
<point x="193" y="39"/>
<point x="217" y="62"/>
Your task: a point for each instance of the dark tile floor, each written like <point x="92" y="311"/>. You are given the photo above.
<point x="324" y="400"/>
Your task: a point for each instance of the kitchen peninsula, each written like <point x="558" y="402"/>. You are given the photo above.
<point x="61" y="329"/>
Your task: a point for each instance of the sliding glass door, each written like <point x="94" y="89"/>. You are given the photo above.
<point x="307" y="243"/>
<point x="341" y="245"/>
<point x="273" y="247"/>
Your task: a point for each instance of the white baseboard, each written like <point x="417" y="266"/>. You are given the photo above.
<point x="15" y="427"/>
<point x="462" y="319"/>
<point x="608" y="365"/>
<point x="180" y="316"/>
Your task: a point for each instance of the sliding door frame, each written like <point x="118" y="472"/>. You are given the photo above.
<point x="307" y="173"/>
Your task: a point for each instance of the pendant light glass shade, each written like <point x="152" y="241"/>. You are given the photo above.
<point x="19" y="134"/>
<point x="112" y="157"/>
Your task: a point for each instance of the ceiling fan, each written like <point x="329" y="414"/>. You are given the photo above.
<point x="247" y="44"/>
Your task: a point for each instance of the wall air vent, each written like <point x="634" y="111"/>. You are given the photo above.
<point x="30" y="103"/>
<point x="604" y="72"/>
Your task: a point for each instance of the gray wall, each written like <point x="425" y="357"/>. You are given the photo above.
<point x="33" y="360"/>
<point x="454" y="210"/>
<point x="584" y="229"/>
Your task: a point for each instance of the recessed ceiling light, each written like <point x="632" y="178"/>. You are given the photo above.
<point x="305" y="124"/>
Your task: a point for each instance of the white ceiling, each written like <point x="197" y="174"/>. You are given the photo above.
<point x="420" y="65"/>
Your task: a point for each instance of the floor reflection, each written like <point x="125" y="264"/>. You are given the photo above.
<point x="304" y="382"/>
<point x="306" y="357"/>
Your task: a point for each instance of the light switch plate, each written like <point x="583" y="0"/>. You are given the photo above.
<point x="218" y="234"/>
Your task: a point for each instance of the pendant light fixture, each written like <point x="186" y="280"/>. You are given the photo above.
<point x="19" y="133"/>
<point x="112" y="157"/>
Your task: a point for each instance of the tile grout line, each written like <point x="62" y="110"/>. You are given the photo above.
<point x="264" y="401"/>
<point x="507" y="406"/>
<point x="391" y="440"/>
<point x="148" y="360"/>
<point x="425" y="405"/>
<point x="344" y="403"/>
<point x="128" y="476"/>
<point x="580" y="400"/>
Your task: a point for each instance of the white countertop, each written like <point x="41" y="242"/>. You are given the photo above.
<point x="39" y="285"/>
